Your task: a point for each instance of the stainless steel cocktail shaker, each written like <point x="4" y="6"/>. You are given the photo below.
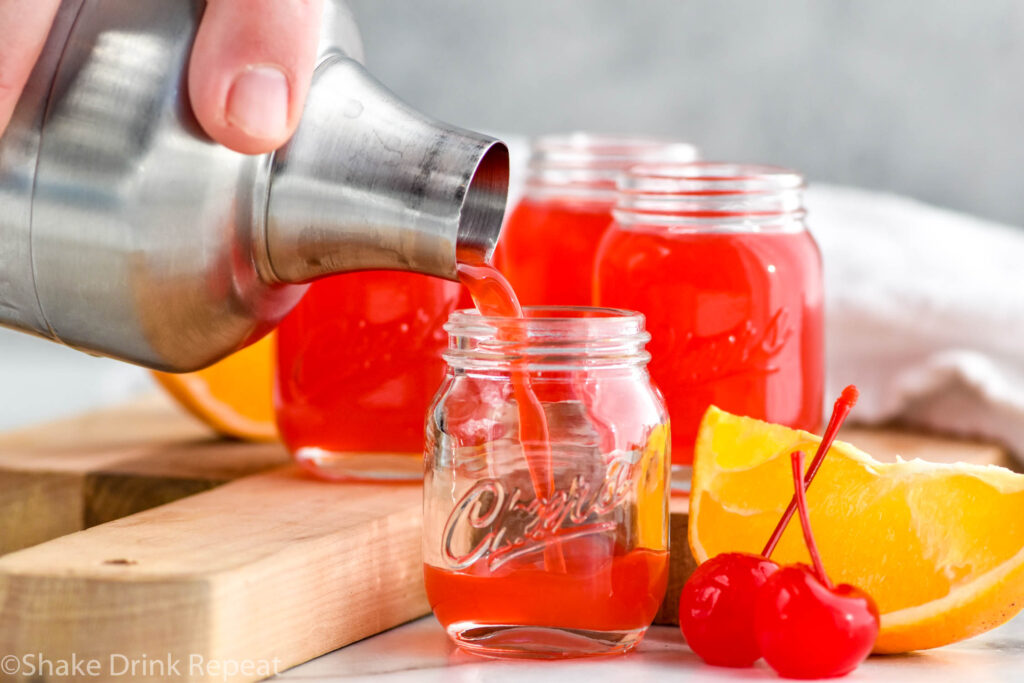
<point x="125" y="231"/>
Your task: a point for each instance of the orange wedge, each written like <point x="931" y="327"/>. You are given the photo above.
<point x="233" y="396"/>
<point x="939" y="547"/>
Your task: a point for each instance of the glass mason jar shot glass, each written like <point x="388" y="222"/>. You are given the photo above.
<point x="546" y="479"/>
<point x="358" y="361"/>
<point x="548" y="245"/>
<point x="718" y="258"/>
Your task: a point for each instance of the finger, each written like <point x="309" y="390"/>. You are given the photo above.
<point x="25" y="25"/>
<point x="250" y="70"/>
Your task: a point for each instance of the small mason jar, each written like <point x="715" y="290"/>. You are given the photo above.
<point x="548" y="245"/>
<point x="546" y="479"/>
<point x="718" y="258"/>
<point x="358" y="361"/>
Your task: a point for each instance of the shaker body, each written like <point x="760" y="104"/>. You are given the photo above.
<point x="125" y="231"/>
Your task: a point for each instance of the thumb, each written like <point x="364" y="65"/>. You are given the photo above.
<point x="25" y="25"/>
<point x="250" y="70"/>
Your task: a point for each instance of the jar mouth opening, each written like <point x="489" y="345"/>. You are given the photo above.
<point x="548" y="337"/>
<point x="712" y="178"/>
<point x="576" y="318"/>
<point x="587" y="165"/>
<point x="709" y="190"/>
<point x="618" y="151"/>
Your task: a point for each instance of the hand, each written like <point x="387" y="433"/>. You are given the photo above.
<point x="248" y="75"/>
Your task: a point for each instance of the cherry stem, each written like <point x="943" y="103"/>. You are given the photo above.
<point x="843" y="405"/>
<point x="797" y="459"/>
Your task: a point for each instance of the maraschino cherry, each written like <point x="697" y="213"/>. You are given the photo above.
<point x="805" y="626"/>
<point x="716" y="611"/>
<point x="716" y="606"/>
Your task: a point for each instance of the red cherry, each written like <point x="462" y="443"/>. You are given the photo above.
<point x="805" y="627"/>
<point x="806" y="630"/>
<point x="715" y="608"/>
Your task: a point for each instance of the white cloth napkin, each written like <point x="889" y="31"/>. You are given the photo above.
<point x="924" y="312"/>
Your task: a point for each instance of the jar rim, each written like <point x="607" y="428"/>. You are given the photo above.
<point x="708" y="178"/>
<point x="710" y="192"/>
<point x="548" y="336"/>
<point x="604" y="150"/>
<point x="587" y="165"/>
<point x="539" y="315"/>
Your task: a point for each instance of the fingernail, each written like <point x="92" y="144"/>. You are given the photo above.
<point x="258" y="102"/>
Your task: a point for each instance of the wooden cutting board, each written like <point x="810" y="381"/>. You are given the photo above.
<point x="70" y="474"/>
<point x="270" y="569"/>
<point x="133" y="532"/>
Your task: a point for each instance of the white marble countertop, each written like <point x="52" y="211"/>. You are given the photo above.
<point x="420" y="652"/>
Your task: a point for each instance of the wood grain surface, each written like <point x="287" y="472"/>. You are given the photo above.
<point x="274" y="566"/>
<point x="64" y="476"/>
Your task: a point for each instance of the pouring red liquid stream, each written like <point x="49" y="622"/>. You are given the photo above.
<point x="494" y="297"/>
<point x="562" y="275"/>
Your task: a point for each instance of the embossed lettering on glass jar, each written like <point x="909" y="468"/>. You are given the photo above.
<point x="556" y="548"/>
<point x="718" y="257"/>
<point x="567" y="206"/>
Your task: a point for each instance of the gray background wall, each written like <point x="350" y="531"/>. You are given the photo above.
<point x="924" y="98"/>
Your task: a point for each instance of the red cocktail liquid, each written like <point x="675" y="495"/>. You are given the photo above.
<point x="600" y="590"/>
<point x="735" y="321"/>
<point x="492" y="294"/>
<point x="359" y="361"/>
<point x="548" y="247"/>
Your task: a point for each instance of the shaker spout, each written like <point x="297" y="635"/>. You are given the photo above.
<point x="369" y="183"/>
